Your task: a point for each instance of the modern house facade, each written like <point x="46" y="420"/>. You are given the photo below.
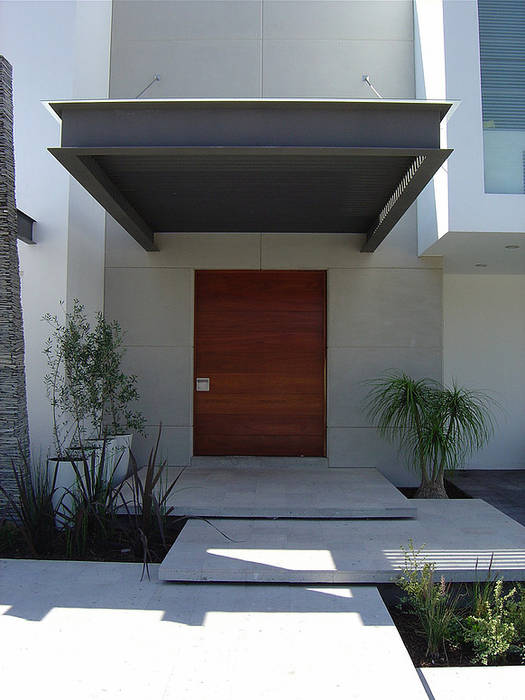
<point x="288" y="309"/>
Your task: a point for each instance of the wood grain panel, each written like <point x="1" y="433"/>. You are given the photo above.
<point x="266" y="382"/>
<point x="267" y="290"/>
<point x="263" y="445"/>
<point x="255" y="424"/>
<point x="260" y="337"/>
<point x="262" y="404"/>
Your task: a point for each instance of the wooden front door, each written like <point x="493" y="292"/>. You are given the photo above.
<point x="260" y="339"/>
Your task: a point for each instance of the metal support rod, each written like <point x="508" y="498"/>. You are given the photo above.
<point x="366" y="79"/>
<point x="156" y="79"/>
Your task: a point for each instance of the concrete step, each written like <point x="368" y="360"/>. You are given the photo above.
<point x="459" y="536"/>
<point x="258" y="462"/>
<point x="271" y="492"/>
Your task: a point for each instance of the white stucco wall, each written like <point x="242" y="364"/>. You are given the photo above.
<point x="38" y="38"/>
<point x="87" y="219"/>
<point x="58" y="50"/>
<point x="484" y="348"/>
<point x="447" y="63"/>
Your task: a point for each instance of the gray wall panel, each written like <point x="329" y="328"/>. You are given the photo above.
<point x="384" y="308"/>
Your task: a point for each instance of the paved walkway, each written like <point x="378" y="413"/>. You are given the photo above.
<point x="292" y="492"/>
<point x="478" y="683"/>
<point x="460" y="536"/>
<point x="502" y="488"/>
<point x="93" y="630"/>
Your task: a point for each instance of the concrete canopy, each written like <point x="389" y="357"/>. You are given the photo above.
<point x="281" y="166"/>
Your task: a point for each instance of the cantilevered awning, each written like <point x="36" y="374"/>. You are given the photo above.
<point x="282" y="166"/>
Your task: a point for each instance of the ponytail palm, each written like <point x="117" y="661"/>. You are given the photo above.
<point x="436" y="426"/>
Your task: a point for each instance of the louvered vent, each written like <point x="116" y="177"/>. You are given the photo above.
<point x="502" y="47"/>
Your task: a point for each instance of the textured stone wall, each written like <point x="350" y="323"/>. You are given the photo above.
<point x="13" y="404"/>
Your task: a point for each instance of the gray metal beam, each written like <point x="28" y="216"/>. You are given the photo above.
<point x="423" y="169"/>
<point x="375" y="123"/>
<point x="86" y="170"/>
<point x="24" y="229"/>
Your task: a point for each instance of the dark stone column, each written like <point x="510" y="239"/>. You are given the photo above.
<point x="13" y="403"/>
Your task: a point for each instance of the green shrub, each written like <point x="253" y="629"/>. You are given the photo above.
<point x="90" y="394"/>
<point x="146" y="503"/>
<point x="434" y="603"/>
<point x="436" y="426"/>
<point x="516" y="608"/>
<point x="491" y="630"/>
<point x="32" y="507"/>
<point x="11" y="537"/>
<point x="88" y="510"/>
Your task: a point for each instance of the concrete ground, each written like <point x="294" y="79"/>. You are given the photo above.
<point x="502" y="488"/>
<point x="246" y="491"/>
<point x="490" y="683"/>
<point x="93" y="630"/>
<point x="460" y="536"/>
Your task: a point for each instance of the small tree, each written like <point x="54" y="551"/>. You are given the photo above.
<point x="88" y="391"/>
<point x="68" y="352"/>
<point x="110" y="389"/>
<point x="436" y="426"/>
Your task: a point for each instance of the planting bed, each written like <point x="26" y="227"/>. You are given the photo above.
<point x="452" y="491"/>
<point x="116" y="547"/>
<point x="415" y="642"/>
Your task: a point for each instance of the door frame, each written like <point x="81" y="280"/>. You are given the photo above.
<point x="324" y="342"/>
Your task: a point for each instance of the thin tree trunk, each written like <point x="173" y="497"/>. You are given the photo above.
<point x="14" y="436"/>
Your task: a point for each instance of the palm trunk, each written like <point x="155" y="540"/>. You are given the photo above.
<point x="14" y="437"/>
<point x="432" y="488"/>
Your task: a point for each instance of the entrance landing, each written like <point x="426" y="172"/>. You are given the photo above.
<point x="288" y="492"/>
<point x="460" y="537"/>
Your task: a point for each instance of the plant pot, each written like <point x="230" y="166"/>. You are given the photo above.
<point x="66" y="479"/>
<point x="118" y="449"/>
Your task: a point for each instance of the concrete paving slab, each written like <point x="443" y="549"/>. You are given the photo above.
<point x="482" y="683"/>
<point x="92" y="630"/>
<point x="502" y="488"/>
<point x="271" y="492"/>
<point x="459" y="535"/>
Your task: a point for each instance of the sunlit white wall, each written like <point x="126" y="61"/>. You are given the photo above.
<point x="58" y="50"/>
<point x="448" y="67"/>
<point x="484" y="348"/>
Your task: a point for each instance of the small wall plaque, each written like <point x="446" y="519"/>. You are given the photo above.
<point x="202" y="384"/>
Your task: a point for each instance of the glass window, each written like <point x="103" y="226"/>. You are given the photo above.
<point x="502" y="49"/>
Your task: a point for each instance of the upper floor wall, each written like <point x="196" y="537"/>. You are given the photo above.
<point x="256" y="48"/>
<point x="447" y="65"/>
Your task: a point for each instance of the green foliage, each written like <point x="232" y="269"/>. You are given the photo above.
<point x="492" y="623"/>
<point x="67" y="350"/>
<point x="88" y="390"/>
<point x="516" y="608"/>
<point x="32" y="507"/>
<point x="491" y="629"/>
<point x="436" y="426"/>
<point x="434" y="603"/>
<point x="88" y="510"/>
<point x="10" y="537"/>
<point x="147" y="504"/>
<point x="110" y="389"/>
<point x="482" y="591"/>
<point x="132" y="516"/>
